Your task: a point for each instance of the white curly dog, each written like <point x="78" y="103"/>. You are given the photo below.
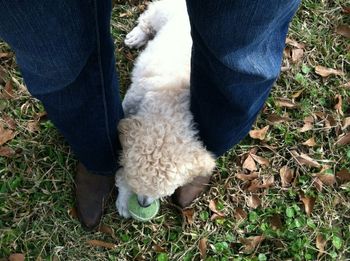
<point x="161" y="150"/>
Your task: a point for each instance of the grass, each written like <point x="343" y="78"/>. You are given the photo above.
<point x="36" y="183"/>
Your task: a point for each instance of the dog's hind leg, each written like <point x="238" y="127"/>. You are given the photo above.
<point x="149" y="23"/>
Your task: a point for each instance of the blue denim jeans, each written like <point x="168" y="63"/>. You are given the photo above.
<point x="66" y="55"/>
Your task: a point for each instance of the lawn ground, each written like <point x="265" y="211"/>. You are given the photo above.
<point x="283" y="193"/>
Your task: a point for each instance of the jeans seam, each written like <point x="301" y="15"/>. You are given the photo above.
<point x="98" y="47"/>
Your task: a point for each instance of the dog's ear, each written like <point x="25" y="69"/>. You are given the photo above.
<point x="203" y="164"/>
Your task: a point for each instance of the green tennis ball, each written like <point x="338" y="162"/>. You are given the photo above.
<point x="140" y="213"/>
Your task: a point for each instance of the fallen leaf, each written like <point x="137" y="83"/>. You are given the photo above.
<point x="213" y="208"/>
<point x="16" y="257"/>
<point x="158" y="249"/>
<point x="346" y="85"/>
<point x="6" y="151"/>
<point x="99" y="243"/>
<point x="346" y="123"/>
<point x="343" y="140"/>
<point x="9" y="122"/>
<point x="304" y="159"/>
<point x="338" y="106"/>
<point x="261" y="160"/>
<point x="188" y="215"/>
<point x="346" y="9"/>
<point x="343" y="30"/>
<point x="276" y="119"/>
<point x="310" y="142"/>
<point x="268" y="181"/>
<point x="326" y="179"/>
<point x="294" y="43"/>
<point x="251" y="243"/>
<point x="343" y="176"/>
<point x="308" y="124"/>
<point x="297" y="94"/>
<point x="309" y="203"/>
<point x="286" y="175"/>
<point x="284" y="102"/>
<point x="254" y="186"/>
<point x="106" y="230"/>
<point x="297" y="55"/>
<point x="276" y="222"/>
<point x="8" y="90"/>
<point x="253" y="201"/>
<point x="247" y="177"/>
<point x="5" y="55"/>
<point x="249" y="163"/>
<point x="318" y="184"/>
<point x="32" y="126"/>
<point x="72" y="212"/>
<point x="5" y="134"/>
<point x="202" y="246"/>
<point x="321" y="242"/>
<point x="259" y="134"/>
<point x="325" y="72"/>
<point x="240" y="214"/>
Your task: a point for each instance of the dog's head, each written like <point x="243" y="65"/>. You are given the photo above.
<point x="157" y="160"/>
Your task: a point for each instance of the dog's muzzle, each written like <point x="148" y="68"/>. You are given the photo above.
<point x="144" y="201"/>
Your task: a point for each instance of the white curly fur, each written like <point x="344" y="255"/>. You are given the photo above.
<point x="161" y="150"/>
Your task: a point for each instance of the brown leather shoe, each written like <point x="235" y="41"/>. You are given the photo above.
<point x="184" y="195"/>
<point x="92" y="192"/>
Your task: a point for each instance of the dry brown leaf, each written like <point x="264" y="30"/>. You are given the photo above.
<point x="343" y="140"/>
<point x="310" y="142"/>
<point x="6" y="152"/>
<point x="284" y="102"/>
<point x="346" y="123"/>
<point x="294" y="43"/>
<point x="326" y="179"/>
<point x="297" y="94"/>
<point x="346" y="85"/>
<point x="325" y="72"/>
<point x="99" y="243"/>
<point x="9" y="122"/>
<point x="188" y="215"/>
<point x="5" y="54"/>
<point x="276" y="222"/>
<point x="251" y="243"/>
<point x="308" y="124"/>
<point x="261" y="160"/>
<point x="247" y="177"/>
<point x="338" y="106"/>
<point x="254" y="186"/>
<point x="343" y="30"/>
<point x="213" y="208"/>
<point x="106" y="230"/>
<point x="321" y="243"/>
<point x="297" y="55"/>
<point x="276" y="119"/>
<point x="343" y="176"/>
<point x="304" y="159"/>
<point x="202" y="246"/>
<point x="32" y="126"/>
<point x="5" y="134"/>
<point x="8" y="91"/>
<point x="346" y="9"/>
<point x="249" y="163"/>
<point x="309" y="203"/>
<point x="318" y="184"/>
<point x="73" y="213"/>
<point x="259" y="134"/>
<point x="16" y="257"/>
<point x="240" y="214"/>
<point x="268" y="181"/>
<point x="158" y="249"/>
<point x="253" y="201"/>
<point x="286" y="175"/>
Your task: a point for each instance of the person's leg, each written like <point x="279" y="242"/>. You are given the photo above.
<point x="236" y="57"/>
<point x="66" y="55"/>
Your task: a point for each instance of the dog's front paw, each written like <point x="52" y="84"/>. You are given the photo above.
<point x="136" y="38"/>
<point x="122" y="207"/>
